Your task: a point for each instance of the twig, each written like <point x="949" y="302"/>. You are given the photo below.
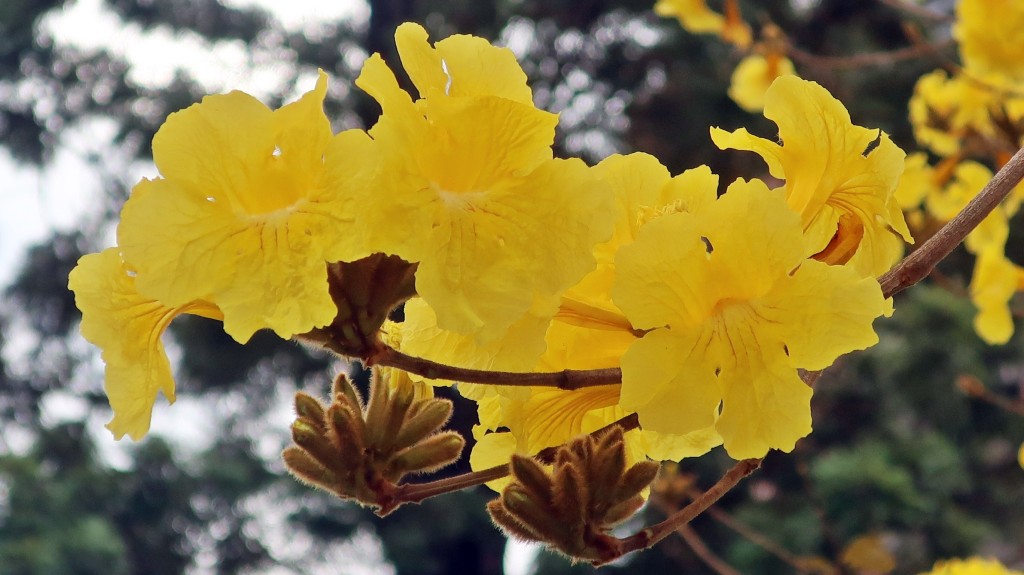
<point x="568" y="379"/>
<point x="417" y="492"/>
<point x="918" y="11"/>
<point x="973" y="387"/>
<point x="920" y="263"/>
<point x="650" y="536"/>
<point x="701" y="550"/>
<point x="868" y="59"/>
<point x="753" y="536"/>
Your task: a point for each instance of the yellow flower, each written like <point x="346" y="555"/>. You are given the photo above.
<point x="971" y="566"/>
<point x="917" y="182"/>
<point x="246" y="212"/>
<point x="840" y="178"/>
<point x="695" y="16"/>
<point x="127" y="327"/>
<point x="733" y="309"/>
<point x="493" y="221"/>
<point x="752" y="77"/>
<point x="968" y="180"/>
<point x="590" y="332"/>
<point x="944" y="110"/>
<point x="990" y="33"/>
<point x="993" y="284"/>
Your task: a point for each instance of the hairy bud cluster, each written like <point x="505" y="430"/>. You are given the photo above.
<point x="571" y="509"/>
<point x="362" y="452"/>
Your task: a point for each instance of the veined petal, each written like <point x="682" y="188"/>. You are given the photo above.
<point x="765" y="405"/>
<point x="460" y="65"/>
<point x="669" y="379"/>
<point x="252" y="222"/>
<point x="656" y="288"/>
<point x="821" y="312"/>
<point x="128" y="328"/>
<point x="477" y="143"/>
<point x="554" y="416"/>
<point x="494" y="250"/>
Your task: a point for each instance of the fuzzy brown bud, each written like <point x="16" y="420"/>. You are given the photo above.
<point x="572" y="508"/>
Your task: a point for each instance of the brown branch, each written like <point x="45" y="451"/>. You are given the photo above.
<point x="568" y="379"/>
<point x="704" y="553"/>
<point x="753" y="536"/>
<point x="920" y="263"/>
<point x="918" y="11"/>
<point x="973" y="387"/>
<point x="868" y="59"/>
<point x="417" y="492"/>
<point x="652" y="535"/>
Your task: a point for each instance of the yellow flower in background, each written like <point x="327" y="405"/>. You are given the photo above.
<point x="1020" y="456"/>
<point x="994" y="283"/>
<point x="734" y="308"/>
<point x="944" y="110"/>
<point x="752" y="77"/>
<point x="971" y="566"/>
<point x="917" y="182"/>
<point x="695" y="16"/>
<point x="990" y="34"/>
<point x="840" y="178"/>
<point x="493" y="221"/>
<point x="968" y="179"/>
<point x="246" y="214"/>
<point x="128" y="328"/>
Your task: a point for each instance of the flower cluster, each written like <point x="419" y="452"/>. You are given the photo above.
<point x="507" y="258"/>
<point x="973" y="121"/>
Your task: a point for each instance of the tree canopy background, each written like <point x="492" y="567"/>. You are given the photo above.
<point x="897" y="452"/>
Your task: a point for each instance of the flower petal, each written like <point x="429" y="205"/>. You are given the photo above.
<point x="127" y="327"/>
<point x="460" y="65"/>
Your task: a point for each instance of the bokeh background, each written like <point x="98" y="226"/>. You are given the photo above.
<point x="901" y="461"/>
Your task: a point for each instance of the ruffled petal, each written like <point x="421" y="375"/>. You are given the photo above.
<point x="128" y="328"/>
<point x="460" y="65"/>
<point x="821" y="312"/>
<point x="252" y="225"/>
